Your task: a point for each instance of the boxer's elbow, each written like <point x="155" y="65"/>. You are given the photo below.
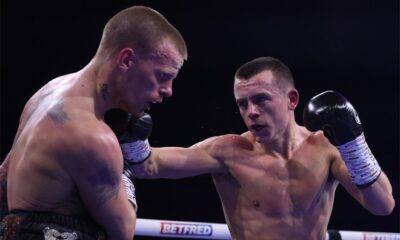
<point x="130" y="228"/>
<point x="122" y="236"/>
<point x="125" y="230"/>
<point x="389" y="206"/>
<point x="384" y="208"/>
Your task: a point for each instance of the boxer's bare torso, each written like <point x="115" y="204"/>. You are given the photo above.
<point x="55" y="124"/>
<point x="268" y="196"/>
<point x="265" y="194"/>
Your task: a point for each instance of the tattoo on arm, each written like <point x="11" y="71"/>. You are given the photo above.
<point x="57" y="113"/>
<point x="104" y="91"/>
<point x="105" y="182"/>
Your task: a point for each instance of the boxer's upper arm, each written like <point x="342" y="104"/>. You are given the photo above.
<point x="97" y="171"/>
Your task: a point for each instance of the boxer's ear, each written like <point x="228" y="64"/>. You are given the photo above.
<point x="125" y="58"/>
<point x="293" y="99"/>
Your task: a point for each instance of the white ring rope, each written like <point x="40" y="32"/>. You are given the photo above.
<point x="203" y="230"/>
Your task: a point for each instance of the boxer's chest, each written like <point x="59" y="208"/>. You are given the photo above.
<point x="282" y="186"/>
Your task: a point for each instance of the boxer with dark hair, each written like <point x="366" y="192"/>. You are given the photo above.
<point x="64" y="174"/>
<point x="278" y="180"/>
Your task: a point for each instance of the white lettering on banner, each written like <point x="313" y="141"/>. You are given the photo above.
<point x="171" y="228"/>
<point x="380" y="236"/>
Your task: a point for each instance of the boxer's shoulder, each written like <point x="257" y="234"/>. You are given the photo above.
<point x="317" y="139"/>
<point x="83" y="139"/>
<point x="226" y="142"/>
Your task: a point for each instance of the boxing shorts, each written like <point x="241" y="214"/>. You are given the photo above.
<point x="24" y="225"/>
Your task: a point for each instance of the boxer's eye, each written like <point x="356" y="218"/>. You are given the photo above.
<point x="259" y="99"/>
<point x="163" y="76"/>
<point x="241" y="103"/>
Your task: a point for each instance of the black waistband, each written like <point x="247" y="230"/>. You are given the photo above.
<point x="34" y="225"/>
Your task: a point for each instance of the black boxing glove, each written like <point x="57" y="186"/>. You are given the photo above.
<point x="132" y="134"/>
<point x="331" y="112"/>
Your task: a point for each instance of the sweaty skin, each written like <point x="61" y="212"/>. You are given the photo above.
<point x="57" y="162"/>
<point x="278" y="180"/>
<point x="265" y="196"/>
<point x="65" y="160"/>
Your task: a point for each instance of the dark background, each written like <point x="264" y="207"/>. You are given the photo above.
<point x="348" y="46"/>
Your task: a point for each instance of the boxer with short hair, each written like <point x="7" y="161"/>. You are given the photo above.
<point x="278" y="180"/>
<point x="63" y="177"/>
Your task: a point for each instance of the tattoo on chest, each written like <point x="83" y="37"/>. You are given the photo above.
<point x="105" y="183"/>
<point x="104" y="91"/>
<point x="57" y="113"/>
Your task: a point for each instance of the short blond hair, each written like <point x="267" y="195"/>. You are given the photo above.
<point x="141" y="28"/>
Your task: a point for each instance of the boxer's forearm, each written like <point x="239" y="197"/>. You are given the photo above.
<point x="177" y="162"/>
<point x="378" y="197"/>
<point x="146" y="170"/>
